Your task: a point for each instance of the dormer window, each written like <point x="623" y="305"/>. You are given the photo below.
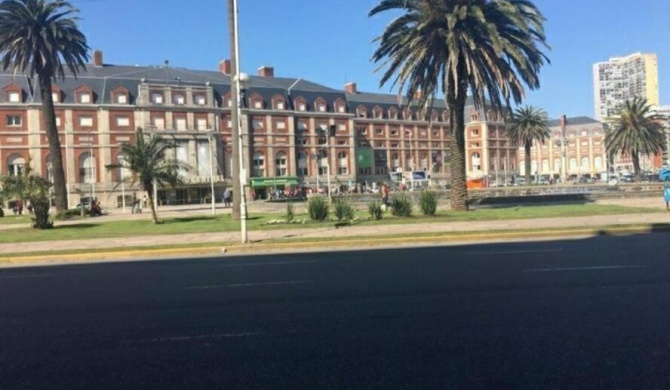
<point x="393" y="113"/>
<point x="179" y="99"/>
<point x="361" y="112"/>
<point x="377" y="112"/>
<point x="119" y="95"/>
<point x="157" y="98"/>
<point x="407" y="115"/>
<point x="200" y="100"/>
<point x="121" y="98"/>
<point x="55" y="96"/>
<point x="14" y="97"/>
<point x="257" y="104"/>
<point x="278" y="103"/>
<point x="300" y="104"/>
<point x="320" y="105"/>
<point x="85" y="97"/>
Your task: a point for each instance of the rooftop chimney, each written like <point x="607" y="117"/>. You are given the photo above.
<point x="225" y="67"/>
<point x="350" y="88"/>
<point x="97" y="58"/>
<point x="266" y="71"/>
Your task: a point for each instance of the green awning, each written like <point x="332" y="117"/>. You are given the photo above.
<point x="260" y="182"/>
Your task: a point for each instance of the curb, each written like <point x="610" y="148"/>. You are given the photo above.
<point x="343" y="244"/>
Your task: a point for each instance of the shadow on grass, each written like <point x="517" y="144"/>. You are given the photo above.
<point x="76" y="226"/>
<point x="191" y="219"/>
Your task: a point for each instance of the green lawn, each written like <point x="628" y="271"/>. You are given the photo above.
<point x="11" y="219"/>
<point x="205" y="224"/>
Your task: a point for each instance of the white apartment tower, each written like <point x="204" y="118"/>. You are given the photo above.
<point x="623" y="78"/>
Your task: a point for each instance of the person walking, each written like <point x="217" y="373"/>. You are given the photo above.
<point x="384" y="190"/>
<point x="227" y="198"/>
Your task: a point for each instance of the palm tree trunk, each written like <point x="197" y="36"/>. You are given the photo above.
<point x="152" y="204"/>
<point x="233" y="116"/>
<point x="526" y="147"/>
<point x="459" y="190"/>
<point x="60" y="189"/>
<point x="636" y="165"/>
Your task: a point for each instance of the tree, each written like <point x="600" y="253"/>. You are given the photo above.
<point x="32" y="189"/>
<point x="41" y="38"/>
<point x="636" y="131"/>
<point x="149" y="164"/>
<point x="487" y="48"/>
<point x="526" y="125"/>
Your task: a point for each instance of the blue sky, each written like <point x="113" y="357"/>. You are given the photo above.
<point x="330" y="42"/>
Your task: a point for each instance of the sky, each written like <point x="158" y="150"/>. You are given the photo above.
<point x="331" y="42"/>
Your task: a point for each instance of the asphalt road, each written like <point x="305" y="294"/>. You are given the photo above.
<point x="582" y="314"/>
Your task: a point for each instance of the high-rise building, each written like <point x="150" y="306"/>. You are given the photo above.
<point x="664" y="113"/>
<point x="623" y="78"/>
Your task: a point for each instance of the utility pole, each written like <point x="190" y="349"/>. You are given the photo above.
<point x="232" y="30"/>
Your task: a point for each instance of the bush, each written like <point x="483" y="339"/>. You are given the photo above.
<point x="376" y="211"/>
<point x="64" y="215"/>
<point x="344" y="210"/>
<point x="318" y="209"/>
<point x="290" y="212"/>
<point x="2" y="212"/>
<point x="41" y="213"/>
<point x="428" y="203"/>
<point x="401" y="206"/>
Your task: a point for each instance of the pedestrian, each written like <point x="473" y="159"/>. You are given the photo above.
<point x="227" y="198"/>
<point x="385" y="194"/>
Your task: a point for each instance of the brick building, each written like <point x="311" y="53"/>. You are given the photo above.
<point x="284" y="125"/>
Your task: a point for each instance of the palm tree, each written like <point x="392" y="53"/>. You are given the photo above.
<point x="29" y="188"/>
<point x="489" y="49"/>
<point x="636" y="131"/>
<point x="527" y="125"/>
<point x="150" y="166"/>
<point x="41" y="38"/>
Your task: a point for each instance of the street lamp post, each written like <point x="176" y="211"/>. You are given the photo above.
<point x="211" y="171"/>
<point x="122" y="177"/>
<point x="242" y="82"/>
<point x="91" y="188"/>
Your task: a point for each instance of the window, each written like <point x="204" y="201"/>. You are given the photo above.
<point x="394" y="145"/>
<point x="340" y="108"/>
<point x="322" y="141"/>
<point x="302" y="126"/>
<point x="279" y="105"/>
<point x="15" y="165"/>
<point x="86" y="168"/>
<point x="342" y="170"/>
<point x="84" y="97"/>
<point x="180" y="123"/>
<point x="55" y="96"/>
<point x="121" y="98"/>
<point x="201" y="124"/>
<point x="379" y="131"/>
<point x="474" y="132"/>
<point x="365" y="171"/>
<point x="122" y="121"/>
<point x="362" y="130"/>
<point x="341" y="142"/>
<point x="341" y="127"/>
<point x="179" y="99"/>
<point x="259" y="165"/>
<point x="302" y="171"/>
<point x="57" y="121"/>
<point x="258" y="104"/>
<point x="85" y="121"/>
<point x="257" y="124"/>
<point x="394" y="131"/>
<point x="280" y="163"/>
<point x="14" y="97"/>
<point x="13" y="120"/>
<point x="157" y="98"/>
<point x="476" y="162"/>
<point x="280" y="125"/>
<point x="363" y="144"/>
<point x="200" y="100"/>
<point x="322" y="108"/>
<point x="379" y="144"/>
<point x="301" y="141"/>
<point x="159" y="123"/>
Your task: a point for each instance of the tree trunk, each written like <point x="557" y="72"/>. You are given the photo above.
<point x="636" y="165"/>
<point x="526" y="147"/>
<point x="236" y="171"/>
<point x="457" y="161"/>
<point x="59" y="183"/>
<point x="150" y="194"/>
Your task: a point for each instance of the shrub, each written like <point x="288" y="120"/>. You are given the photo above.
<point x="290" y="212"/>
<point x="318" y="209"/>
<point x="64" y="215"/>
<point x="376" y="211"/>
<point x="428" y="202"/>
<point x="401" y="206"/>
<point x="344" y="210"/>
<point x="41" y="213"/>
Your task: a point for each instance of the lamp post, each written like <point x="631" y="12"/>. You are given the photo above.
<point x="315" y="157"/>
<point x="327" y="133"/>
<point x="242" y="83"/>
<point x="91" y="183"/>
<point x="211" y="171"/>
<point x="122" y="177"/>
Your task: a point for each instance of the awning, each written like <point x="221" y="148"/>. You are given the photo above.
<point x="260" y="182"/>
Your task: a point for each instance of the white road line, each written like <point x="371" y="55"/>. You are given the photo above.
<point x="282" y="283"/>
<point x="595" y="268"/>
<point x="196" y="337"/>
<point x="518" y="252"/>
<point x="268" y="263"/>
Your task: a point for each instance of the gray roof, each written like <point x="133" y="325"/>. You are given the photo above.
<point x="574" y="121"/>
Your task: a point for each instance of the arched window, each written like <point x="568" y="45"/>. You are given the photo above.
<point x="533" y="167"/>
<point x="557" y="165"/>
<point x="522" y="167"/>
<point x="280" y="164"/>
<point x="259" y="165"/>
<point x="598" y="162"/>
<point x="86" y="168"/>
<point x="15" y="165"/>
<point x="545" y="166"/>
<point x="573" y="164"/>
<point x="476" y="162"/>
<point x="586" y="163"/>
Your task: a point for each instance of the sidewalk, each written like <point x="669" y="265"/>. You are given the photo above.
<point x="342" y="232"/>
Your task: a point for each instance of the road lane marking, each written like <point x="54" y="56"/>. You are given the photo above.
<point x="192" y="338"/>
<point x="268" y="263"/>
<point x="260" y="284"/>
<point x="517" y="252"/>
<point x="594" y="268"/>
